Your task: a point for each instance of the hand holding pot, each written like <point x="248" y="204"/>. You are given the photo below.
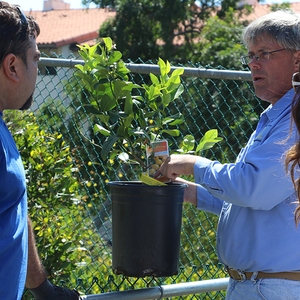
<point x="176" y="165"/>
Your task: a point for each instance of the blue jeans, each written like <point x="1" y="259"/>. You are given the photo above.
<point x="263" y="289"/>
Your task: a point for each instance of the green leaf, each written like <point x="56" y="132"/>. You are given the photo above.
<point x="173" y="132"/>
<point x="177" y="72"/>
<point x="165" y="67"/>
<point x="114" y="57"/>
<point x="108" y="43"/>
<point x="101" y="129"/>
<point x="209" y="139"/>
<point x="114" y="116"/>
<point x="129" y="86"/>
<point x="118" y="86"/>
<point x="91" y="109"/>
<point x="107" y="103"/>
<point x="154" y="79"/>
<point x="173" y="122"/>
<point x="141" y="119"/>
<point x="179" y="91"/>
<point x="125" y="125"/>
<point x="166" y="99"/>
<point x="122" y="70"/>
<point x="104" y="118"/>
<point x="188" y="143"/>
<point x="128" y="104"/>
<point x="153" y="92"/>
<point x="108" y="145"/>
<point x="92" y="49"/>
<point x="80" y="67"/>
<point x="100" y="72"/>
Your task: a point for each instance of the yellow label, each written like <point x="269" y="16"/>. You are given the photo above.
<point x="150" y="181"/>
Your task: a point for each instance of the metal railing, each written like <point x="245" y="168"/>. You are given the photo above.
<point x="164" y="291"/>
<point x="148" y="68"/>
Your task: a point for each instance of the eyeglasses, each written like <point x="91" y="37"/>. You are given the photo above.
<point x="23" y="18"/>
<point x="296" y="81"/>
<point x="246" y="59"/>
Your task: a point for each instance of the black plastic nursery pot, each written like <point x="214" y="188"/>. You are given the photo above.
<point x="146" y="227"/>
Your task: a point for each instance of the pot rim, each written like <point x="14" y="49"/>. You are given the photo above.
<point x="137" y="183"/>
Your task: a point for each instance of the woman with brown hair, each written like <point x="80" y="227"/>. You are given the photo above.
<point x="292" y="160"/>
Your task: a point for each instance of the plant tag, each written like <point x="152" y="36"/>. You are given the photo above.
<point x="150" y="180"/>
<point x="156" y="153"/>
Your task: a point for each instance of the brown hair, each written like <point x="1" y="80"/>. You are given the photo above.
<point x="14" y="32"/>
<point x="292" y="159"/>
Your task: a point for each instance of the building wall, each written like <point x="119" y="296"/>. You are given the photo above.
<point x="55" y="4"/>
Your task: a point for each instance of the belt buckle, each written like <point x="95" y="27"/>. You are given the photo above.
<point x="240" y="273"/>
<point x="242" y="276"/>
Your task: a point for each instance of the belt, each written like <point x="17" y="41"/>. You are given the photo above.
<point x="242" y="276"/>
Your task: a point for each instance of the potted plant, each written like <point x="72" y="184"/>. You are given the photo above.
<point x="146" y="219"/>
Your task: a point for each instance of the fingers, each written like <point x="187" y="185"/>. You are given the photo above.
<point x="166" y="170"/>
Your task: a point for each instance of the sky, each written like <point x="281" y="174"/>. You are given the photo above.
<point x="26" y="5"/>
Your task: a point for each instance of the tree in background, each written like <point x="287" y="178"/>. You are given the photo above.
<point x="221" y="48"/>
<point x="169" y="29"/>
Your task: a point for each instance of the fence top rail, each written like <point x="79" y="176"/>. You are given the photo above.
<point x="164" y="291"/>
<point x="154" y="69"/>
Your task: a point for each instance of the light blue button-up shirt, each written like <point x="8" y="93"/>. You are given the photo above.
<point x="254" y="198"/>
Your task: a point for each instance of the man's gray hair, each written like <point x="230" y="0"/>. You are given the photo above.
<point x="282" y="26"/>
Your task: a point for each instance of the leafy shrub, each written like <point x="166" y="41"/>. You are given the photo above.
<point x="54" y="204"/>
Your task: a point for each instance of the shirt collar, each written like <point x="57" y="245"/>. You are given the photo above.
<point x="273" y="111"/>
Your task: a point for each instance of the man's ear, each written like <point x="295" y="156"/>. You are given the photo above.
<point x="10" y="67"/>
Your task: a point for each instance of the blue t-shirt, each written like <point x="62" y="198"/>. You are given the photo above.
<point x="13" y="218"/>
<point x="254" y="197"/>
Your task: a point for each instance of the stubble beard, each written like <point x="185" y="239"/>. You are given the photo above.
<point x="28" y="103"/>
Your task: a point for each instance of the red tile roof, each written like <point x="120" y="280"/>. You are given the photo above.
<point x="64" y="27"/>
<point x="263" y="9"/>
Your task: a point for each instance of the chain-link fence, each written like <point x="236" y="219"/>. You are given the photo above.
<point x="81" y="229"/>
